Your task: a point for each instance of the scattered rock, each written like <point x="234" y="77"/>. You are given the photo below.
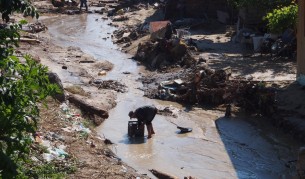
<point x="102" y="73"/>
<point x="108" y="142"/>
<point x="110" y="84"/>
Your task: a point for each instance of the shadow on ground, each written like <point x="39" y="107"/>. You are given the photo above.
<point x="256" y="152"/>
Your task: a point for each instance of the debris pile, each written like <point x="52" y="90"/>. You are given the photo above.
<point x="35" y="27"/>
<point x="160" y="30"/>
<point x="205" y="86"/>
<point x="64" y="145"/>
<point x="110" y="84"/>
<point x="164" y="53"/>
<point x="51" y="146"/>
<point x="126" y="34"/>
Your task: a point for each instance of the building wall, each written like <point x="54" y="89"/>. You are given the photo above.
<point x="301" y="44"/>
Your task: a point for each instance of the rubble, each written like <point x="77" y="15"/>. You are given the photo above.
<point x="110" y="84"/>
<point x="160" y="30"/>
<point x="35" y="27"/>
<point x="120" y="18"/>
<point x="204" y="86"/>
<point x="124" y="35"/>
<point x="164" y="53"/>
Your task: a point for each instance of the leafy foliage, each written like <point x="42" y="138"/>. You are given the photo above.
<point x="9" y="37"/>
<point x="22" y="85"/>
<point x="282" y="18"/>
<point x="7" y="7"/>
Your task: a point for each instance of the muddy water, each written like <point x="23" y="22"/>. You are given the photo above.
<point x="217" y="147"/>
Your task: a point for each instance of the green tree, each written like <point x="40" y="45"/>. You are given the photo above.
<point x="280" y="19"/>
<point x="23" y="83"/>
<point x="7" y="7"/>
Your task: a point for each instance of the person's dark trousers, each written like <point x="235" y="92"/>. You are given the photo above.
<point x="82" y="4"/>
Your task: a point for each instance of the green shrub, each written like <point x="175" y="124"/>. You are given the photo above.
<point x="282" y="18"/>
<point x="23" y="84"/>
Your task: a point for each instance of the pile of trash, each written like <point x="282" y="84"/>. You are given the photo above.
<point x="163" y="53"/>
<point x="53" y="143"/>
<point x="205" y="86"/>
<point x="127" y="34"/>
<point x="110" y="84"/>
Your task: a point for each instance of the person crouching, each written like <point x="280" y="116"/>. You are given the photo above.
<point x="145" y="115"/>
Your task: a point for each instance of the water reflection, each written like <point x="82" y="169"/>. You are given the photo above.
<point x="133" y="140"/>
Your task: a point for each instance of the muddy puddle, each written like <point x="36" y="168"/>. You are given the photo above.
<point x="217" y="147"/>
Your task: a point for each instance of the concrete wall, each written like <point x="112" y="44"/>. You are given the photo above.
<point x="301" y="43"/>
